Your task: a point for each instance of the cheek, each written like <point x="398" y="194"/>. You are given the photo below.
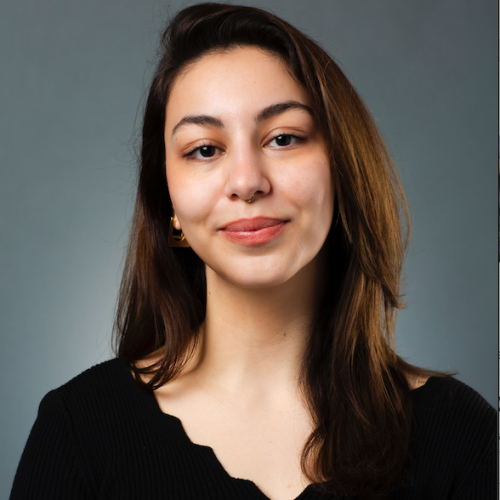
<point x="313" y="189"/>
<point x="192" y="199"/>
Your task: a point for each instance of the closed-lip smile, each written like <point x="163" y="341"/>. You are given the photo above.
<point x="255" y="231"/>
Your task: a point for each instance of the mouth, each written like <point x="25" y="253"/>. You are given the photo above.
<point x="256" y="231"/>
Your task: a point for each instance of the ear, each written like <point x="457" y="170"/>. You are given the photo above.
<point x="177" y="224"/>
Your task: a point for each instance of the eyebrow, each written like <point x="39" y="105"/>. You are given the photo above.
<point x="203" y="120"/>
<point x="281" y="107"/>
<point x="265" y="114"/>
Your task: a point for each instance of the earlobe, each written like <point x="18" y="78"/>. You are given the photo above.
<point x="176" y="222"/>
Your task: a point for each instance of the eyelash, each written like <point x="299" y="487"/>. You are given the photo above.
<point x="189" y="155"/>
<point x="298" y="138"/>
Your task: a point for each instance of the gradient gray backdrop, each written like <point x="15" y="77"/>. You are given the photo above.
<point x="73" y="75"/>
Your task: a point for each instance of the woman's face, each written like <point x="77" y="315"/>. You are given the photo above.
<point x="239" y="128"/>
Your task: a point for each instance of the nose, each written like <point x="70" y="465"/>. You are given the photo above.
<point x="247" y="178"/>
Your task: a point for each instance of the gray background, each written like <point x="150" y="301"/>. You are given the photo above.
<point x="73" y="75"/>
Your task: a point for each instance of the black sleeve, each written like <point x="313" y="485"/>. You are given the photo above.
<point x="474" y="447"/>
<point x="484" y="484"/>
<point x="481" y="452"/>
<point x="50" y="467"/>
<point x="453" y="455"/>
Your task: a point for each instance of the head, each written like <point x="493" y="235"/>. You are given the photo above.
<point x="360" y="170"/>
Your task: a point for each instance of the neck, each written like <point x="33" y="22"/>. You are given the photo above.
<point x="254" y="339"/>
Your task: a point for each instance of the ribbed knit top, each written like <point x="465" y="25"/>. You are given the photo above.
<point x="102" y="437"/>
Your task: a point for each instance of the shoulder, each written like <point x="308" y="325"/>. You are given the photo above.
<point x="102" y="380"/>
<point x="60" y="459"/>
<point x="100" y="395"/>
<point x="109" y="371"/>
<point x="103" y="413"/>
<point x="447" y="406"/>
<point x="455" y="401"/>
<point x="454" y="444"/>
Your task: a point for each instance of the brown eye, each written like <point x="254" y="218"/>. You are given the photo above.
<point x="207" y="151"/>
<point x="283" y="140"/>
<point x="203" y="152"/>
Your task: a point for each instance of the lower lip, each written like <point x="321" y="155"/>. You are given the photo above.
<point x="259" y="237"/>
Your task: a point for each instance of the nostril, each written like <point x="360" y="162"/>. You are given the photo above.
<point x="242" y="183"/>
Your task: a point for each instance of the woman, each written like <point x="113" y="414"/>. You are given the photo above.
<point x="257" y="308"/>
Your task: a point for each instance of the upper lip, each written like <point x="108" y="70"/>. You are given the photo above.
<point x="253" y="224"/>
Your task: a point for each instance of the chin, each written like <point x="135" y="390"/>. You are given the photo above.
<point x="258" y="277"/>
<point x="257" y="282"/>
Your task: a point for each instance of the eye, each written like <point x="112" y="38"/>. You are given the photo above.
<point x="284" y="140"/>
<point x="205" y="151"/>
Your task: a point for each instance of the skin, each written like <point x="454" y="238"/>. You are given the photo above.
<point x="240" y="392"/>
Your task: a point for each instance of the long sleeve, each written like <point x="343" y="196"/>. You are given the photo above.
<point x="472" y="451"/>
<point x="453" y="456"/>
<point x="50" y="467"/>
<point x="484" y="484"/>
<point x="481" y="453"/>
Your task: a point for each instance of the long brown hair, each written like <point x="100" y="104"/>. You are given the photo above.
<point x="354" y="383"/>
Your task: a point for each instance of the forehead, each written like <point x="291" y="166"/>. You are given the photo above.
<point x="232" y="83"/>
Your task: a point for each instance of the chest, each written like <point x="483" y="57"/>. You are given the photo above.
<point x="253" y="444"/>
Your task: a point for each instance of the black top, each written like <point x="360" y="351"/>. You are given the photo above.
<point x="102" y="437"/>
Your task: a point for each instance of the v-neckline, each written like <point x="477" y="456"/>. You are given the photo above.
<point x="155" y="407"/>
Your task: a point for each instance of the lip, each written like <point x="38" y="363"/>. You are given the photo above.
<point x="255" y="231"/>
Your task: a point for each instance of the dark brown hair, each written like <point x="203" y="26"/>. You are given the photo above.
<point x="355" y="384"/>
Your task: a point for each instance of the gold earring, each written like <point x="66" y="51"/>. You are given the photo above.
<point x="176" y="238"/>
